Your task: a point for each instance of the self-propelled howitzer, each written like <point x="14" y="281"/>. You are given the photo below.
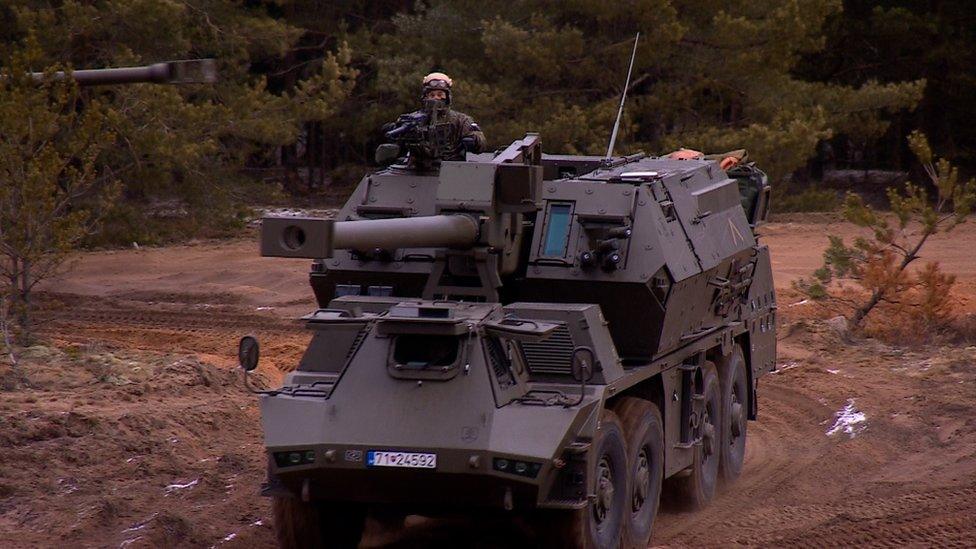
<point x="557" y="336"/>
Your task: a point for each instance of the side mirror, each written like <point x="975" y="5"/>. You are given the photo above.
<point x="387" y="153"/>
<point x="248" y="353"/>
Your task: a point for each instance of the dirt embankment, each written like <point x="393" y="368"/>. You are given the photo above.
<point x="137" y="431"/>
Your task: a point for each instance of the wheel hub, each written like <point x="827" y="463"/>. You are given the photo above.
<point x="604" y="490"/>
<point x="642" y="479"/>
<point x="708" y="437"/>
<point x="736" y="414"/>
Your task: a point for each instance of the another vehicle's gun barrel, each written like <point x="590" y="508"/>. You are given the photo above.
<point x="194" y="71"/>
<point x="313" y="238"/>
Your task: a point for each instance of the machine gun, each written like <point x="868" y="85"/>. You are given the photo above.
<point x="409" y="128"/>
<point x="422" y="137"/>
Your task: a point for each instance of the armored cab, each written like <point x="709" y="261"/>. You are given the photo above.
<point x="555" y="336"/>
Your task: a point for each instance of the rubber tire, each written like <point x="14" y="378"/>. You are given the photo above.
<point x="643" y="429"/>
<point x="578" y="528"/>
<point x="302" y="525"/>
<point x="733" y="378"/>
<point x="695" y="488"/>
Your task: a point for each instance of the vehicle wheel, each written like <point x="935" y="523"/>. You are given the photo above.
<point x="735" y="408"/>
<point x="598" y="525"/>
<point x="694" y="488"/>
<point x="302" y="525"/>
<point x="644" y="432"/>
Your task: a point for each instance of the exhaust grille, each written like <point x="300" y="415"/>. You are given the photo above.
<point x="500" y="363"/>
<point x="552" y="355"/>
<point x="360" y="337"/>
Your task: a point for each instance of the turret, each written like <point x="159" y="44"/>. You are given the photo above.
<point x="468" y="224"/>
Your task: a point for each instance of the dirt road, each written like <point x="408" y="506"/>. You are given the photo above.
<point x="137" y="433"/>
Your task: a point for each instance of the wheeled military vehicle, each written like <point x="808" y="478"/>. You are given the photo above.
<point x="555" y="336"/>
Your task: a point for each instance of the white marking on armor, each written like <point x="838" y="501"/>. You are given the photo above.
<point x="736" y="235"/>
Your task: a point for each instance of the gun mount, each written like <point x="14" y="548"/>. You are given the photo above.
<point x="192" y="71"/>
<point x="526" y="332"/>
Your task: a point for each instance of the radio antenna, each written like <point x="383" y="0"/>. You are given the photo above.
<point x="623" y="97"/>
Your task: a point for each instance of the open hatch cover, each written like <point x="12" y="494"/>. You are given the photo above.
<point x="520" y="329"/>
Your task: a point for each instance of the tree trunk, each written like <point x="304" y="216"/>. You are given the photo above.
<point x="24" y="298"/>
<point x="866" y="308"/>
<point x="5" y="332"/>
<point x="879" y="293"/>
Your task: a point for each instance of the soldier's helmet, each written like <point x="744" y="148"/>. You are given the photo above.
<point x="437" y="81"/>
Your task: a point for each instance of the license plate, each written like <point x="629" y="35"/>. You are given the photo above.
<point x="375" y="458"/>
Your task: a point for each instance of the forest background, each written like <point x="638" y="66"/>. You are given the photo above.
<point x="807" y="86"/>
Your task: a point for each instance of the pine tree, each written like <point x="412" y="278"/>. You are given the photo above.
<point x="709" y="75"/>
<point x="907" y="40"/>
<point x="53" y="191"/>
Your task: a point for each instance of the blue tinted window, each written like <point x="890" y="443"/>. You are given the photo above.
<point x="557" y="231"/>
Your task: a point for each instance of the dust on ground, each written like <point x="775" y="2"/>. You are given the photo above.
<point x="137" y="431"/>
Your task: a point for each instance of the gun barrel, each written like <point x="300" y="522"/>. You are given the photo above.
<point x="395" y="133"/>
<point x="194" y="71"/>
<point x="317" y="238"/>
<point x="449" y="231"/>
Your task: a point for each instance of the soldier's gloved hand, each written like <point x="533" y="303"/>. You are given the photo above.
<point x="468" y="143"/>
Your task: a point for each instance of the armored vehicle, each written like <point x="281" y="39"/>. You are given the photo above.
<point x="557" y="337"/>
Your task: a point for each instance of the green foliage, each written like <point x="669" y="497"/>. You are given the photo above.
<point x="710" y="75"/>
<point x="907" y="40"/>
<point x="879" y="264"/>
<point x="810" y="199"/>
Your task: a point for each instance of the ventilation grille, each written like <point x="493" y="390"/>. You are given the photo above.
<point x="499" y="362"/>
<point x="363" y="332"/>
<point x="552" y="355"/>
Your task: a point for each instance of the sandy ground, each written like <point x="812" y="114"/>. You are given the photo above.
<point x="138" y="433"/>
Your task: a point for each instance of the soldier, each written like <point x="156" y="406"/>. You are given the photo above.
<point x="437" y="132"/>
